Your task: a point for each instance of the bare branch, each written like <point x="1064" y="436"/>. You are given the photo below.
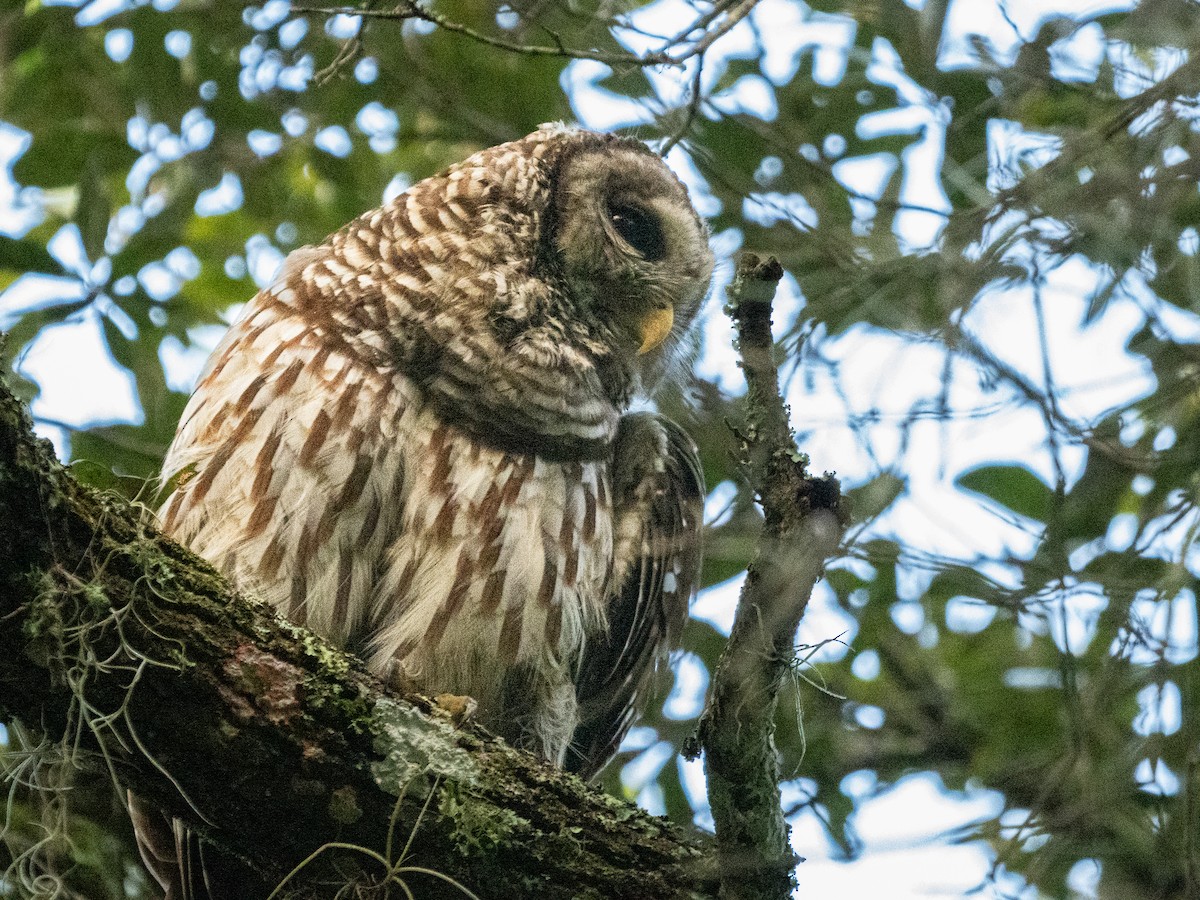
<point x="801" y="528"/>
<point x="711" y="37"/>
<point x="691" y="111"/>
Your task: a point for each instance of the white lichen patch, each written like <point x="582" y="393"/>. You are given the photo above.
<point x="412" y="745"/>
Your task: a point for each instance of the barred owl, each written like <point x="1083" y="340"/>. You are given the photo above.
<point x="417" y="441"/>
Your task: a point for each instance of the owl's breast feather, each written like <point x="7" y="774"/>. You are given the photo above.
<point x="501" y="561"/>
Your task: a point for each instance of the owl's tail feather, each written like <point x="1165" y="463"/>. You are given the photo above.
<point x="184" y="866"/>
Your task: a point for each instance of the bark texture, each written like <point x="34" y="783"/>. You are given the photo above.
<point x="267" y="740"/>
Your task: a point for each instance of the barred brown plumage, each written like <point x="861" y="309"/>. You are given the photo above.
<point x="417" y="441"/>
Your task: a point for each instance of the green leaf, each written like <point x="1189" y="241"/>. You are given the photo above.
<point x="25" y="256"/>
<point x="871" y="499"/>
<point x="1013" y="487"/>
<point x="94" y="209"/>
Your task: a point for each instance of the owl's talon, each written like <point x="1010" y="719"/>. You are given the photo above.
<point x="458" y="708"/>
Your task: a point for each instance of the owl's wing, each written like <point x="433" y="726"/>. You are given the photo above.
<point x="658" y="503"/>
<point x="285" y="477"/>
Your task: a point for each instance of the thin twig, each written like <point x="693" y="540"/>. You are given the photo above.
<point x="701" y="46"/>
<point x="691" y="111"/>
<point x="703" y="21"/>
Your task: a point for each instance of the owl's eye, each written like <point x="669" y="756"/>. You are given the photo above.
<point x="640" y="230"/>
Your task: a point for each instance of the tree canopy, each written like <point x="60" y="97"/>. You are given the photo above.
<point x="986" y="213"/>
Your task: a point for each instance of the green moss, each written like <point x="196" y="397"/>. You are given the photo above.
<point x="343" y="806"/>
<point x="96" y="599"/>
<point x="325" y="688"/>
<point x="475" y="825"/>
<point x="148" y="557"/>
<point x="328" y="658"/>
<point x="44" y="618"/>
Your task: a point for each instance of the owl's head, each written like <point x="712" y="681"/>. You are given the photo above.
<point x="534" y="288"/>
<point x="632" y="249"/>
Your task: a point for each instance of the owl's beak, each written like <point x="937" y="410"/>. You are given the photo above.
<point x="655" y="328"/>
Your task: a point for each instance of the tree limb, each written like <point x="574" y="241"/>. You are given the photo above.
<point x="801" y="528"/>
<point x="137" y="655"/>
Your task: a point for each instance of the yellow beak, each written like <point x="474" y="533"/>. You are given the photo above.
<point x="655" y="328"/>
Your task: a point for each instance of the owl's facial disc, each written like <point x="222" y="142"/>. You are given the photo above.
<point x="634" y="251"/>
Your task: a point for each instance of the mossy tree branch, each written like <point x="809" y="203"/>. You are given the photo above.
<point x="259" y="735"/>
<point x="801" y="527"/>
